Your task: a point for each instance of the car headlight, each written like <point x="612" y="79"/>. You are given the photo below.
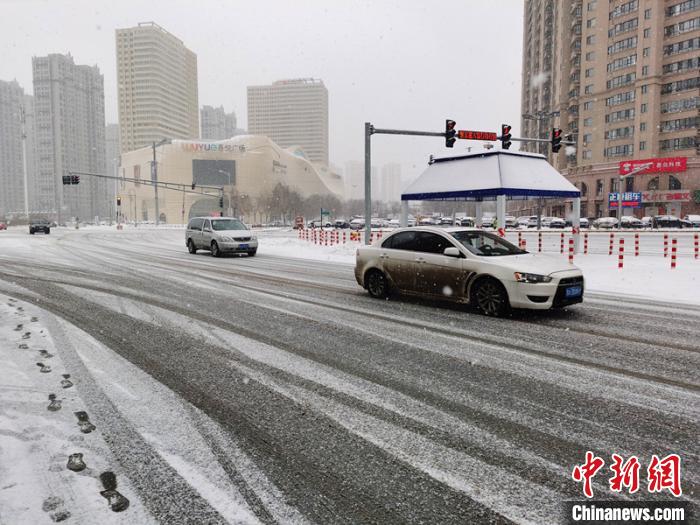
<point x="226" y="238"/>
<point x="531" y="278"/>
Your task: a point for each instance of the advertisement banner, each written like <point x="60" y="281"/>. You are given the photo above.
<point x="630" y="199"/>
<point x="658" y="165"/>
<point x="666" y="196"/>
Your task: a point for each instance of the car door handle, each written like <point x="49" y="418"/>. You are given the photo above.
<point x="420" y="259"/>
<point x="383" y="256"/>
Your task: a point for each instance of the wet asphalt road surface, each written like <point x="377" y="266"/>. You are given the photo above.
<point x="323" y="405"/>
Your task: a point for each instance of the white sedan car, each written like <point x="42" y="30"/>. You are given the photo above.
<point x="467" y="265"/>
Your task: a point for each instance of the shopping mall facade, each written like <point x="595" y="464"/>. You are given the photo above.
<point x="246" y="167"/>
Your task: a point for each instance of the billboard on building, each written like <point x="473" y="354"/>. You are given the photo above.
<point x="213" y="172"/>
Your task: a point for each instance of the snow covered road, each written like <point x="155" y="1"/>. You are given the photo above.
<point x="274" y="390"/>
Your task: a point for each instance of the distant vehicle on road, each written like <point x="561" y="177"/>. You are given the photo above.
<point x="554" y="222"/>
<point x="39" y="225"/>
<point x="488" y="222"/>
<point x="631" y="222"/>
<point x="605" y="223"/>
<point x="341" y="224"/>
<point x="523" y="221"/>
<point x="3" y="226"/>
<point x="694" y="220"/>
<point x="665" y="221"/>
<point x="220" y="235"/>
<point x="466" y="265"/>
<point x="468" y="222"/>
<point x="511" y="222"/>
<point x="357" y="223"/>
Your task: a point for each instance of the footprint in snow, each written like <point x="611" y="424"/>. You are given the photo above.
<point x="55" y="404"/>
<point x="44" y="369"/>
<point x="26" y="335"/>
<point x="117" y="502"/>
<point x="18" y="327"/>
<point x="53" y="505"/>
<point x="23" y="346"/>
<point x="34" y="319"/>
<point x="84" y="422"/>
<point x="66" y="382"/>
<point x="76" y="463"/>
<point x="45" y="354"/>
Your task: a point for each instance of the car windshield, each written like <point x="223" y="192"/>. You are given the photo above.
<point x="486" y="244"/>
<point x="228" y="224"/>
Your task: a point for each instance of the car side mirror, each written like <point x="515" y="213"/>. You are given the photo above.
<point x="452" y="252"/>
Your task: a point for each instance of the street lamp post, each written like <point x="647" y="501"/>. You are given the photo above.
<point x="154" y="176"/>
<point x="230" y="190"/>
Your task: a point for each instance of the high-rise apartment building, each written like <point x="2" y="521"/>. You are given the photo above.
<point x="622" y="77"/>
<point x="292" y="113"/>
<point x="157" y="86"/>
<point x="11" y="157"/>
<point x="69" y="112"/>
<point x="217" y="124"/>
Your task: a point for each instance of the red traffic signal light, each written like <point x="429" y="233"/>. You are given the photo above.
<point x="119" y="200"/>
<point x="556" y="140"/>
<point x="505" y="136"/>
<point x="450" y="133"/>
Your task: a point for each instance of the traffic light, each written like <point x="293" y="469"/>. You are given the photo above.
<point x="193" y="184"/>
<point x="505" y="136"/>
<point x="75" y="179"/>
<point x="450" y="133"/>
<point x="221" y="201"/>
<point x="556" y="140"/>
<point x="119" y="200"/>
<point x="66" y="179"/>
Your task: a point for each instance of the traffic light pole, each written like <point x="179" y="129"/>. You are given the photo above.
<point x="369" y="131"/>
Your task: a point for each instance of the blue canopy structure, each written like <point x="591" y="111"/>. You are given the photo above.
<point x="487" y="175"/>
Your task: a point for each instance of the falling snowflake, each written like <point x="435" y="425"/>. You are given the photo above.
<point x="539" y="79"/>
<point x="447" y="291"/>
<point x="570" y="150"/>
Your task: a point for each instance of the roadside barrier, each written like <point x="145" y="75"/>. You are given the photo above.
<point x="621" y="254"/>
<point x="571" y="250"/>
<point x="539" y="242"/>
<point x="673" y="252"/>
<point x="524" y="244"/>
<point x="520" y="238"/>
<point x="561" y="244"/>
<point x="696" y="245"/>
<point x="610" y="247"/>
<point x="636" y="245"/>
<point x="585" y="243"/>
<point x="665" y="244"/>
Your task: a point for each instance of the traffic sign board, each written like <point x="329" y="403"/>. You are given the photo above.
<point x="476" y="135"/>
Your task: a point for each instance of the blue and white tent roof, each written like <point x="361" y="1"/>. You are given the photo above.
<point x="485" y="175"/>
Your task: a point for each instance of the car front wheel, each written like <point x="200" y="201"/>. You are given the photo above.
<point x="377" y="285"/>
<point x="252" y="253"/>
<point x="215" y="251"/>
<point x="491" y="298"/>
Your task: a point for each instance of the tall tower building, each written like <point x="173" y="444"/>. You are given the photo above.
<point x="69" y="109"/>
<point x="217" y="124"/>
<point x="157" y="85"/>
<point x="11" y="170"/>
<point x="622" y="77"/>
<point x="292" y="113"/>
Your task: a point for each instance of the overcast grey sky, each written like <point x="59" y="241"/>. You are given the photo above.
<point x="402" y="64"/>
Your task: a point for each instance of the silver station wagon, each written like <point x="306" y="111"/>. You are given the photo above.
<point x="220" y="235"/>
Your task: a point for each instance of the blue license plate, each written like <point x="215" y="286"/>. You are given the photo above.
<point x="243" y="246"/>
<point x="574" y="291"/>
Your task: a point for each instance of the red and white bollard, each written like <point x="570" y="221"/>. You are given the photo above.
<point x="520" y="238"/>
<point x="621" y="254"/>
<point x="539" y="242"/>
<point x="571" y="250"/>
<point x="636" y="245"/>
<point x="585" y="243"/>
<point x="561" y="247"/>
<point x="696" y="245"/>
<point x="524" y="247"/>
<point x="344" y="237"/>
<point x="665" y="244"/>
<point x="501" y="232"/>
<point x="673" y="252"/>
<point x="610" y="247"/>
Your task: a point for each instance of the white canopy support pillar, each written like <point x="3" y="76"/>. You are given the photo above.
<point x="576" y="222"/>
<point x="403" y="221"/>
<point x="501" y="210"/>
<point x="479" y="214"/>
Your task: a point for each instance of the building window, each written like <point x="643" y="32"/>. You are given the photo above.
<point x="673" y="183"/>
<point x="619" y="133"/>
<point x="622" y="62"/>
<point x="625" y="43"/>
<point x="623" y="9"/>
<point x="624" y="150"/>
<point x="629" y="183"/>
<point x="588" y="122"/>
<point x="647" y="32"/>
<point x="642" y="145"/>
<point x="679" y="124"/>
<point x="588" y="90"/>
<point x="620" y="98"/>
<point x="589" y="72"/>
<point x="643" y="108"/>
<point x="590" y="40"/>
<point x="645" y="52"/>
<point x="676" y="144"/>
<point x="623" y="27"/>
<point x="647" y="14"/>
<point x="682" y="27"/>
<point x="590" y="23"/>
<point x="645" y="88"/>
<point x="587" y="106"/>
<point x="645" y="71"/>
<point x="676" y="106"/>
<point x="623" y="114"/>
<point x="682" y="47"/>
<point x="584" y="189"/>
<point x="653" y="184"/>
<point x="587" y="154"/>
<point x="599" y="186"/>
<point x="680" y="85"/>
<point x="587" y="138"/>
<point x="642" y="126"/>
<point x="613" y="185"/>
<point x="683" y="7"/>
<point x="592" y="5"/>
<point x="590" y="55"/>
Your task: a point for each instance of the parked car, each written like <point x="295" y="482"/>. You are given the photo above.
<point x="524" y="221"/>
<point x="3" y="226"/>
<point x="532" y="222"/>
<point x="631" y="222"/>
<point x="511" y="222"/>
<point x="694" y="220"/>
<point x="467" y="221"/>
<point x="646" y="222"/>
<point x="220" y="235"/>
<point x="357" y="223"/>
<point x="583" y="222"/>
<point x="445" y="221"/>
<point x="686" y="224"/>
<point x="665" y="221"/>
<point x="466" y="265"/>
<point x="605" y="223"/>
<point x="341" y="224"/>
<point x="488" y="222"/>
<point x="556" y="222"/>
<point x="39" y="225"/>
<point x="394" y="223"/>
